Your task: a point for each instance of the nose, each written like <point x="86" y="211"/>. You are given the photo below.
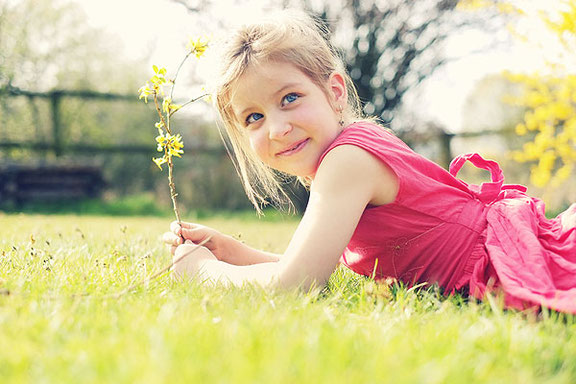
<point x="278" y="128"/>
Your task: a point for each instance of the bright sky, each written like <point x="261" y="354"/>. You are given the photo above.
<point x="144" y="27"/>
<point x="157" y="30"/>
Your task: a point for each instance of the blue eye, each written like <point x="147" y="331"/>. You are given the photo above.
<point x="290" y="98"/>
<point x="253" y="117"/>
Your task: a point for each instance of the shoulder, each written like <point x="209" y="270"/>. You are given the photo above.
<point x="348" y="167"/>
<point x="365" y="130"/>
<point x="372" y="138"/>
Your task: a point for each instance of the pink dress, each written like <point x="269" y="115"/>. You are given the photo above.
<point x="463" y="237"/>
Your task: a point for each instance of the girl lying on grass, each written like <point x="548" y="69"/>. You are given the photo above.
<point x="288" y="106"/>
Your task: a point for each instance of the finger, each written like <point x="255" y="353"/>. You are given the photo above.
<point x="197" y="234"/>
<point x="175" y="227"/>
<point x="182" y="224"/>
<point x="184" y="249"/>
<point x="171" y="239"/>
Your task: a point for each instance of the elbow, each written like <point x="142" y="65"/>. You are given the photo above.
<point x="301" y="279"/>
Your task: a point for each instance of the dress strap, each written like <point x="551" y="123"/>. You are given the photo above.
<point x="486" y="192"/>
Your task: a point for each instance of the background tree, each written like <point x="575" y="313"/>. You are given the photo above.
<point x="390" y="46"/>
<point x="48" y="45"/>
<point x="549" y="95"/>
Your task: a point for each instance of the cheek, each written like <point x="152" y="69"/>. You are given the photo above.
<point x="258" y="145"/>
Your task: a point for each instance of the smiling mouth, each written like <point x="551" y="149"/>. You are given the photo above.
<point x="293" y="149"/>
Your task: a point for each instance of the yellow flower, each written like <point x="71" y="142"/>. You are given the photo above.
<point x="159" y="71"/>
<point x="165" y="104"/>
<point x="174" y="107"/>
<point x="145" y="91"/>
<point x="561" y="111"/>
<point x="175" y="145"/>
<point x="564" y="172"/>
<point x="521" y="129"/>
<point x="171" y="145"/>
<point x="208" y="95"/>
<point x="159" y="161"/>
<point x="547" y="160"/>
<point x="161" y="140"/>
<point x="539" y="177"/>
<point x="519" y="156"/>
<point x="169" y="107"/>
<point x="198" y="46"/>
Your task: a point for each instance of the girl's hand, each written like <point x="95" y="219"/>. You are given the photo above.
<point x="189" y="260"/>
<point x="220" y="245"/>
<point x="223" y="247"/>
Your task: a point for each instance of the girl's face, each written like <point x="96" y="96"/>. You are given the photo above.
<point x="290" y="121"/>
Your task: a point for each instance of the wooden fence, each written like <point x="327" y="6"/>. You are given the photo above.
<point x="61" y="180"/>
<point x="57" y="144"/>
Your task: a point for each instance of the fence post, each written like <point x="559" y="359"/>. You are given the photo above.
<point x="445" y="148"/>
<point x="58" y="144"/>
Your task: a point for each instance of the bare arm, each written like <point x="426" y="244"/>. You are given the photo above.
<point x="347" y="180"/>
<point x="224" y="247"/>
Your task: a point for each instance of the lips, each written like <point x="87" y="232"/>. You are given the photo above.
<point x="293" y="148"/>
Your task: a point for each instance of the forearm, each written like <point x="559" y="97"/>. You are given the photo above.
<point x="264" y="273"/>
<point x="270" y="275"/>
<point x="249" y="256"/>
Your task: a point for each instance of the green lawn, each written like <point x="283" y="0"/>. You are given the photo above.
<point x="61" y="323"/>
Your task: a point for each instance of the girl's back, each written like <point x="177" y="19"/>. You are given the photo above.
<point x="439" y="229"/>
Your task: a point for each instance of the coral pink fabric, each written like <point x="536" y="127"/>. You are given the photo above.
<point x="463" y="237"/>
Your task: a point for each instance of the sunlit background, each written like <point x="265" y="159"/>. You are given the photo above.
<point x="451" y="98"/>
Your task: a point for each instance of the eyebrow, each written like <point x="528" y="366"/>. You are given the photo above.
<point x="281" y="90"/>
<point x="289" y="85"/>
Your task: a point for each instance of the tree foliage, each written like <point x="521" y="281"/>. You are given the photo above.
<point x="549" y="96"/>
<point x="48" y="44"/>
<point x="392" y="46"/>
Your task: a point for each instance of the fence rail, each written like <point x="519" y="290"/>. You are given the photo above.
<point x="57" y="144"/>
<point x="55" y="97"/>
<point x="444" y="140"/>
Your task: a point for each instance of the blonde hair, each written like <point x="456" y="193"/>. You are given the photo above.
<point x="290" y="37"/>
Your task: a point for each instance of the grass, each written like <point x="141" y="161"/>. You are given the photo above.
<point x="165" y="331"/>
<point x="135" y="205"/>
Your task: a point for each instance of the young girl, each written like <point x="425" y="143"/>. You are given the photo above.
<point x="288" y="106"/>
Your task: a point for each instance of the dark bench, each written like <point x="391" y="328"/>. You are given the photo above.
<point x="49" y="183"/>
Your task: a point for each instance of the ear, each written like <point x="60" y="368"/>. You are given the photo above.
<point x="338" y="91"/>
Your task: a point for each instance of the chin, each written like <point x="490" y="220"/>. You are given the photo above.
<point x="305" y="172"/>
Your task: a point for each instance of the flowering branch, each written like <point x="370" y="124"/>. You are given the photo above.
<point x="167" y="142"/>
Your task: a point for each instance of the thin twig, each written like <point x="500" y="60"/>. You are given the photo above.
<point x="131" y="287"/>
<point x="195" y="99"/>
<point x="173" y="193"/>
<point x="159" y="110"/>
<point x="166" y="126"/>
<point x="177" y="72"/>
<point x="160" y="272"/>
